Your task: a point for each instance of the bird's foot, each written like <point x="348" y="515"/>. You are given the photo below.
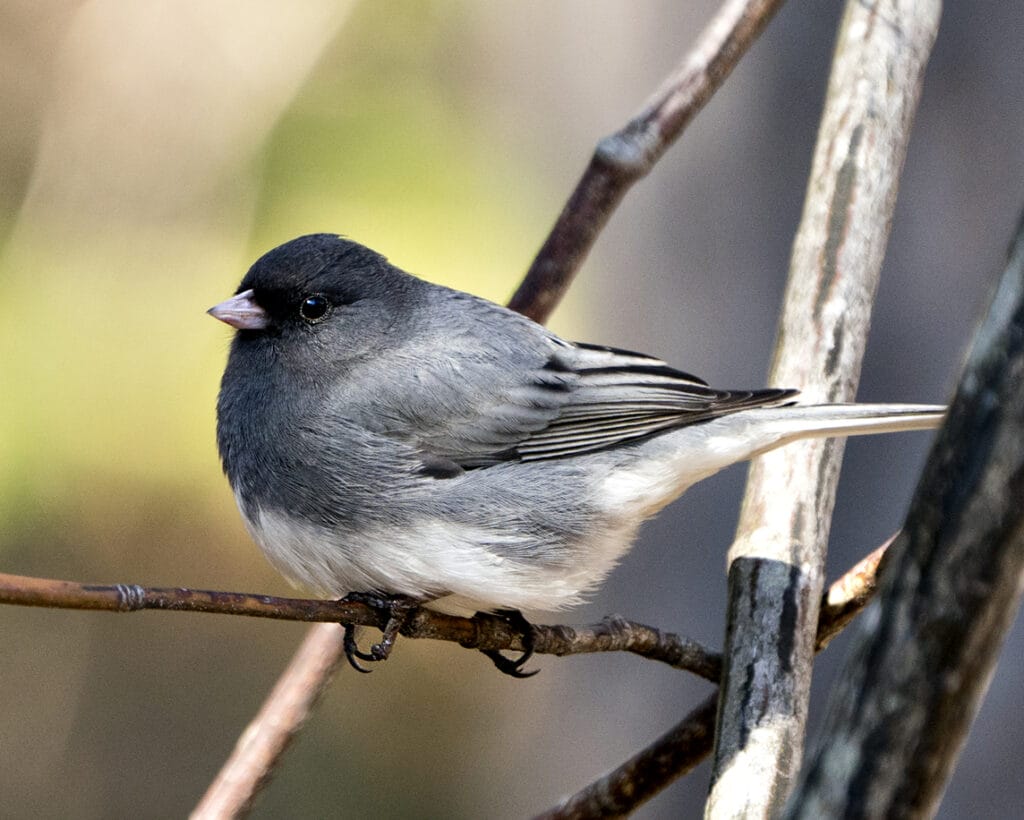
<point x="514" y="666"/>
<point x="398" y="609"/>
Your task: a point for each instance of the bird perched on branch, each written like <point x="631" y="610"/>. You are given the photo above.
<point x="388" y="436"/>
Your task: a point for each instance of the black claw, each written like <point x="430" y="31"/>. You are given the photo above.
<point x="509" y="666"/>
<point x="352" y="653"/>
<point x="513" y="667"/>
<point x="398" y="608"/>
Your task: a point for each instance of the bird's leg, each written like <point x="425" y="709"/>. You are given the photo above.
<point x="514" y="666"/>
<point x="398" y="609"/>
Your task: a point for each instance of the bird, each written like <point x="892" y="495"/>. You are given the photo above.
<point x="395" y="439"/>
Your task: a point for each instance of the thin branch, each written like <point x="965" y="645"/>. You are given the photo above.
<point x="250" y="765"/>
<point x="952" y="584"/>
<point x="645" y="774"/>
<point x="287" y="707"/>
<point x="261" y="745"/>
<point x="616" y="634"/>
<point x="289" y="704"/>
<point x="776" y="564"/>
<point x="490" y="632"/>
<point x="679" y="750"/>
<point x="629" y="154"/>
<point x="848" y="596"/>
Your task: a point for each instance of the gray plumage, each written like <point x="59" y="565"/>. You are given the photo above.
<point x="417" y="440"/>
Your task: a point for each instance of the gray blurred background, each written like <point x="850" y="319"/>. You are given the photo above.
<point x="150" y="151"/>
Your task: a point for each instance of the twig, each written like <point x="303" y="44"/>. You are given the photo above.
<point x="848" y="596"/>
<point x="629" y="154"/>
<point x="645" y="774"/>
<point x="287" y="706"/>
<point x="616" y="634"/>
<point x="776" y="564"/>
<point x="685" y="745"/>
<point x="952" y="584"/>
<point x="613" y="634"/>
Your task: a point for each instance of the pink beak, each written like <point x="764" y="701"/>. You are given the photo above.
<point x="241" y="312"/>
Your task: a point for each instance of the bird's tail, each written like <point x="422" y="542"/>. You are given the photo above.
<point x="692" y="453"/>
<point x="825" y="420"/>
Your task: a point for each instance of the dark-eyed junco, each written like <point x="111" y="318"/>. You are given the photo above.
<point x="384" y="434"/>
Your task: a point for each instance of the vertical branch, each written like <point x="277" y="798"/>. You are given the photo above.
<point x="776" y="564"/>
<point x="948" y="595"/>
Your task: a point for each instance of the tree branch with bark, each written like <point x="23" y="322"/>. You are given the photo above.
<point x="952" y="580"/>
<point x="777" y="560"/>
<point x="913" y="683"/>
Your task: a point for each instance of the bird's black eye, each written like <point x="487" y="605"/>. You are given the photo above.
<point x="314" y="308"/>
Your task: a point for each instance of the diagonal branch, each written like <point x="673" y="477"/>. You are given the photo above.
<point x="687" y="743"/>
<point x="629" y="154"/>
<point x="271" y="732"/>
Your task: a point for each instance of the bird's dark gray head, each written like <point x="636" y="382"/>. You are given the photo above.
<point x="307" y="314"/>
<point x="334" y="295"/>
<point x="286" y="280"/>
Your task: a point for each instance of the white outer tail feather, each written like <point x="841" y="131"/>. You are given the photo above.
<point x="680" y="458"/>
<point x="828" y="420"/>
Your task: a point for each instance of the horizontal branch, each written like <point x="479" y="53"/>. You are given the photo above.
<point x="636" y="781"/>
<point x="482" y="631"/>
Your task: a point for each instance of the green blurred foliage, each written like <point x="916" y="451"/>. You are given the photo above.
<point x="110" y="366"/>
<point x="108" y="470"/>
<point x="378" y="147"/>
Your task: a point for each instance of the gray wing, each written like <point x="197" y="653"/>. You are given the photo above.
<point x="489" y="388"/>
<point x="617" y="396"/>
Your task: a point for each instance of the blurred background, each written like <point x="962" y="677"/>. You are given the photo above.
<point x="150" y="151"/>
